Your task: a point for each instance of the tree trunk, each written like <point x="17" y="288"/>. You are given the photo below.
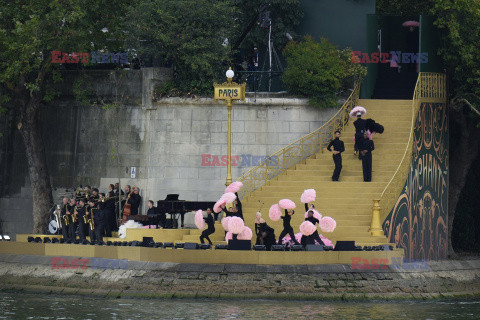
<point x="38" y="171"/>
<point x="462" y="153"/>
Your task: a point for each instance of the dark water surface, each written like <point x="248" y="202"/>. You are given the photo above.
<point x="40" y="306"/>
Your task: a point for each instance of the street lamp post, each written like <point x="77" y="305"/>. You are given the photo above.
<point x="229" y="91"/>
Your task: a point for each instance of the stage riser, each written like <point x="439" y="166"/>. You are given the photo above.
<point x="195" y="256"/>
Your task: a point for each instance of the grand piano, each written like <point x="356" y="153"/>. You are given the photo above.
<point x="174" y="207"/>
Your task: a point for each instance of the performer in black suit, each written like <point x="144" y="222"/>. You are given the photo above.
<point x="287" y="228"/>
<point x="265" y="233"/>
<point x="210" y="221"/>
<point x="99" y="219"/>
<point x="338" y="148"/>
<point x="366" y="153"/>
<point x="360" y="128"/>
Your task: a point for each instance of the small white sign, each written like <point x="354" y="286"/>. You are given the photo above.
<point x="133" y="172"/>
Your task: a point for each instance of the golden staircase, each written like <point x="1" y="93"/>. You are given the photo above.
<point x="348" y="201"/>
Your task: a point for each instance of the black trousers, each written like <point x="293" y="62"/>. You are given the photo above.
<point x="99" y="227"/>
<point x="72" y="229"/>
<point x="358" y="141"/>
<point x="284" y="233"/>
<point x="311" y="239"/>
<point x="65" y="233"/>
<point x="367" y="167"/>
<point x="337" y="159"/>
<point x="82" y="229"/>
<point x="110" y="222"/>
<point x="92" y="233"/>
<point x="205" y="235"/>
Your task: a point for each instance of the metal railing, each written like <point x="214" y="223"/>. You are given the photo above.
<point x="298" y="150"/>
<point x="430" y="87"/>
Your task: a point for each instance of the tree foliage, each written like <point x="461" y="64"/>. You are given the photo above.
<point x="29" y="31"/>
<point x="189" y="35"/>
<point x="318" y="69"/>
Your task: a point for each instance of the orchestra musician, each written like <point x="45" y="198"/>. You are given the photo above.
<point x="89" y="221"/>
<point x="135" y="201"/>
<point x="72" y="226"/>
<point x="80" y="212"/>
<point x="65" y="219"/>
<point x="109" y="205"/>
<point x="99" y="220"/>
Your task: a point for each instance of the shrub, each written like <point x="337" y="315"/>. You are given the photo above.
<point x="317" y="70"/>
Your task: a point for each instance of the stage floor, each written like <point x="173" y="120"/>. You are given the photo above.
<point x="202" y="256"/>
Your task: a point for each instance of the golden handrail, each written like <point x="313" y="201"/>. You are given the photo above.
<point x="430" y="87"/>
<point x="298" y="150"/>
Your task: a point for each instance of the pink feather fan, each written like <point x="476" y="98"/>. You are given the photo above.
<point x="327" y="224"/>
<point x="235" y="225"/>
<point x="225" y="223"/>
<point x="199" y="221"/>
<point x="234" y="187"/>
<point x="307" y="228"/>
<point x="308" y="195"/>
<point x="246" y="234"/>
<point x="286" y="204"/>
<point x="274" y="212"/>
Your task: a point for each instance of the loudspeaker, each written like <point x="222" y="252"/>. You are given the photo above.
<point x="314" y="247"/>
<point x="179" y="245"/>
<point x="205" y="246"/>
<point x="148" y="242"/>
<point x="358" y="248"/>
<point x="31" y="239"/>
<point x="85" y="242"/>
<point x="62" y="240"/>
<point x="221" y="247"/>
<point x="259" y="247"/>
<point x="386" y="247"/>
<point x="135" y="244"/>
<point x="93" y="242"/>
<point x="296" y="247"/>
<point x="367" y="248"/>
<point x="190" y="246"/>
<point x="109" y="243"/>
<point x="328" y="248"/>
<point x="278" y="247"/>
<point x="345" y="246"/>
<point x="168" y="245"/>
<point x="236" y="244"/>
<point x="55" y="240"/>
<point x="46" y="240"/>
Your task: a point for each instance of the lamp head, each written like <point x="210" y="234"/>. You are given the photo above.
<point x="229" y="74"/>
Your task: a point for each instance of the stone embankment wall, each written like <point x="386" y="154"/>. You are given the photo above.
<point x="136" y="279"/>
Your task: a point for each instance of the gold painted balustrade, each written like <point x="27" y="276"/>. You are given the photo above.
<point x="430" y="87"/>
<point x="298" y="150"/>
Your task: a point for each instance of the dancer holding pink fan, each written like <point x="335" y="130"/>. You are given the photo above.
<point x="288" y="205"/>
<point x="308" y="237"/>
<point x="211" y="227"/>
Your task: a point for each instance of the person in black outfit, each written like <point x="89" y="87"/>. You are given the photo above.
<point x="99" y="219"/>
<point x="338" y="148"/>
<point x="134" y="201"/>
<point x="210" y="221"/>
<point x="314" y="236"/>
<point x="63" y="216"/>
<point x="360" y="128"/>
<point x="236" y="210"/>
<point x="265" y="234"/>
<point x="366" y="153"/>
<point x="72" y="226"/>
<point x="82" y="227"/>
<point x="90" y="211"/>
<point x="287" y="228"/>
<point x="110" y="222"/>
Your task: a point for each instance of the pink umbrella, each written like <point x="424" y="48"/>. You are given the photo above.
<point x="411" y="24"/>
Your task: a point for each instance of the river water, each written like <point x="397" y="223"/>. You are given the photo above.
<point x="40" y="306"/>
